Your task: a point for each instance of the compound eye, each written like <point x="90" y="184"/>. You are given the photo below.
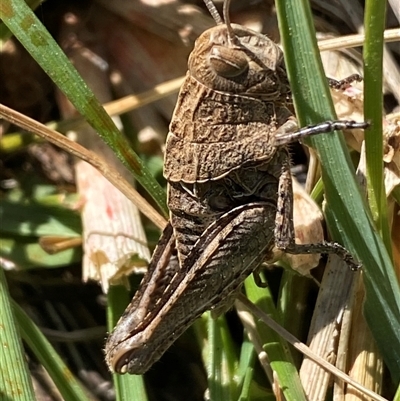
<point x="228" y="62"/>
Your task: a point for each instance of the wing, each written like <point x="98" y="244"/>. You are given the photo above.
<point x="229" y="250"/>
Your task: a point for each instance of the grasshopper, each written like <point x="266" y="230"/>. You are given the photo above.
<point x="229" y="190"/>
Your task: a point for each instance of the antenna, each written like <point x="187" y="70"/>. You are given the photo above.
<point x="232" y="37"/>
<point x="217" y="18"/>
<point x="214" y="12"/>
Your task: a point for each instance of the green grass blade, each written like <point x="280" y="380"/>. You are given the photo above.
<point x="15" y="380"/>
<point x="27" y="28"/>
<point x="294" y="297"/>
<point x="397" y="395"/>
<point x="127" y="387"/>
<point x="276" y="348"/>
<point x="348" y="215"/>
<point x="19" y="218"/>
<point x="375" y="12"/>
<point x="245" y="371"/>
<point x="66" y="383"/>
<point x="5" y="33"/>
<point x="222" y="361"/>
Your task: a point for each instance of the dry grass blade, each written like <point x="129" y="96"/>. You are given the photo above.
<point x="77" y="150"/>
<point x="114" y="240"/>
<point x="323" y="335"/>
<point x="304" y="349"/>
<point x="358" y="349"/>
<point x="127" y="103"/>
<point x="345" y="42"/>
<point x="248" y="322"/>
<point x="132" y="102"/>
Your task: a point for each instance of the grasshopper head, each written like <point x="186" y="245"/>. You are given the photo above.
<point x="235" y="59"/>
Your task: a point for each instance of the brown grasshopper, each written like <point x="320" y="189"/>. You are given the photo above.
<point x="229" y="192"/>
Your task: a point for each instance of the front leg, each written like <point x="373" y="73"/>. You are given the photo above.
<point x="284" y="229"/>
<point x="290" y="132"/>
